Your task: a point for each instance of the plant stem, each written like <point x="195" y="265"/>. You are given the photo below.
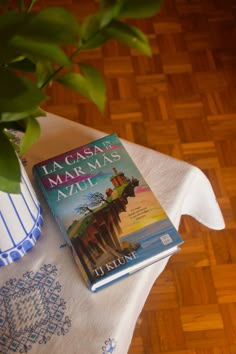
<point x="61" y="67"/>
<point x="31" y="4"/>
<point x="51" y="77"/>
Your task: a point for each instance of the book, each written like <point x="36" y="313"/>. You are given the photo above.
<point x="106" y="211"/>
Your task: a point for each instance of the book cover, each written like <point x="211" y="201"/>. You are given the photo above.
<point x="106" y="211"/>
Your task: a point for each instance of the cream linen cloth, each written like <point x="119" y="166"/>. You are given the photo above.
<point x="86" y="322"/>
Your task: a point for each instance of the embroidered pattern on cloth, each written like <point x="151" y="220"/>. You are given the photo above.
<point x="31" y="310"/>
<point x="109" y="347"/>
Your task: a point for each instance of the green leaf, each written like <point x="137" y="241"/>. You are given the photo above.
<point x="92" y="35"/>
<point x="31" y="135"/>
<point x="18" y="93"/>
<point x="113" y="9"/>
<point x="40" y="50"/>
<point x="75" y="82"/>
<point x="90" y="27"/>
<point x="11" y="85"/>
<point x="110" y="10"/>
<point x="139" y="8"/>
<point x="10" y="174"/>
<point x="53" y="24"/>
<point x="96" y="85"/>
<point x="15" y="116"/>
<point x="129" y="35"/>
<point x="11" y="22"/>
<point x="90" y="85"/>
<point x="96" y="41"/>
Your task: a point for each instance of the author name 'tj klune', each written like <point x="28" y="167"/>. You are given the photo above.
<point x="116" y="263"/>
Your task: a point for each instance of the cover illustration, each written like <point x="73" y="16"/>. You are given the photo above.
<point x="106" y="210"/>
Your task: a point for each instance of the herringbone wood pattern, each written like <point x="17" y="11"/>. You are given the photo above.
<point x="182" y="102"/>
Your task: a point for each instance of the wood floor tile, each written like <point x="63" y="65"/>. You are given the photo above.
<point x="201" y="318"/>
<point x="181" y="102"/>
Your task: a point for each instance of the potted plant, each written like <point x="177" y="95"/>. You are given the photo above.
<point x="41" y="45"/>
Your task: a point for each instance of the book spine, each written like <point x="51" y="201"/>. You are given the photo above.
<point x="82" y="269"/>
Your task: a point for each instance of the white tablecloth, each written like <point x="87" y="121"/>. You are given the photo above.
<point x="53" y="310"/>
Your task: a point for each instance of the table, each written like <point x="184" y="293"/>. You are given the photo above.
<point x="45" y="307"/>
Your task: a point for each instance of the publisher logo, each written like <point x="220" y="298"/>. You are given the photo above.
<point x="166" y="239"/>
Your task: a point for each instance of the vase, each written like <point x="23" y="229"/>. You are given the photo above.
<point x="20" y="221"/>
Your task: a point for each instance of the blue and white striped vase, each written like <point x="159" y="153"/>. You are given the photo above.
<point x="20" y="222"/>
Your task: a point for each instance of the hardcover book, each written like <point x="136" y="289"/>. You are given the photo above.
<point x="106" y="211"/>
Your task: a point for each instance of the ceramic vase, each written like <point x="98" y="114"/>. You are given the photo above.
<point x="20" y="222"/>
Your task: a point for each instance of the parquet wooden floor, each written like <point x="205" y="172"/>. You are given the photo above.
<point x="181" y="102"/>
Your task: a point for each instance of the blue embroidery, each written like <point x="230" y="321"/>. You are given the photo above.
<point x="31" y="310"/>
<point x="110" y="346"/>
